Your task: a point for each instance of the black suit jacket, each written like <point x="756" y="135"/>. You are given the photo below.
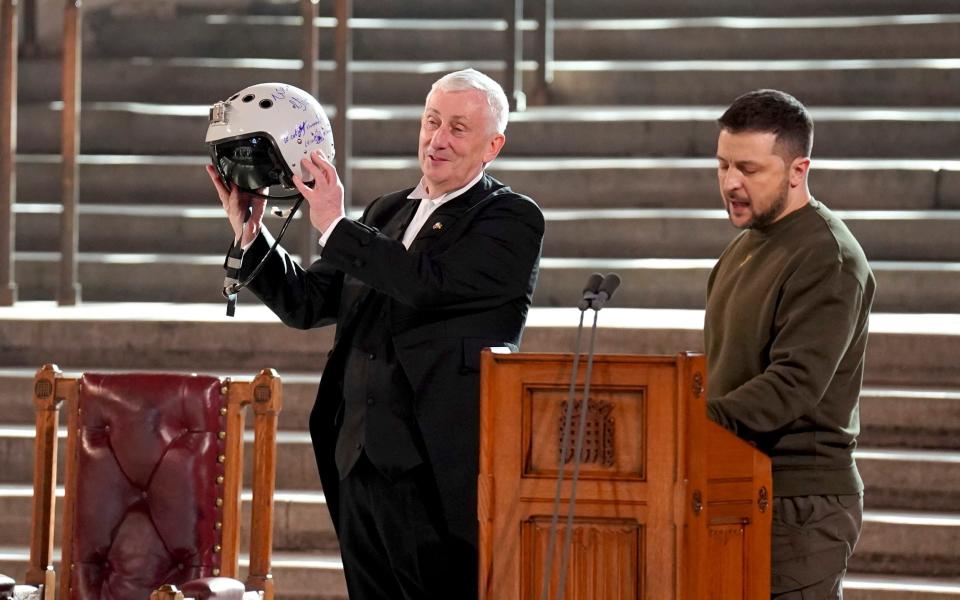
<point x="466" y="283"/>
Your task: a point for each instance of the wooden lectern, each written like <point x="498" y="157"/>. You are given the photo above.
<point x="669" y="505"/>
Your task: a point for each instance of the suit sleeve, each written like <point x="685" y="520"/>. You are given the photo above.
<point x="492" y="261"/>
<point x="302" y="298"/>
<point x="816" y="321"/>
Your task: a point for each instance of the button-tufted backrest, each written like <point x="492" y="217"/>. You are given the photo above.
<point x="146" y="492"/>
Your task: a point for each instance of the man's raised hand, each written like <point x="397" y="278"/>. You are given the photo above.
<point x="324" y="193"/>
<point x="238" y="204"/>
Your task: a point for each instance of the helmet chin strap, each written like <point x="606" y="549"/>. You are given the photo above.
<point x="234" y="259"/>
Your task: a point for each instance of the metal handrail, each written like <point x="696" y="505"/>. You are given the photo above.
<point x="343" y="99"/>
<point x="343" y="83"/>
<point x="543" y="54"/>
<point x="310" y="81"/>
<point x="68" y="292"/>
<point x="8" y="145"/>
<point x="513" y="75"/>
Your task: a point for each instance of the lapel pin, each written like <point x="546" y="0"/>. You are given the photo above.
<point x="438" y="225"/>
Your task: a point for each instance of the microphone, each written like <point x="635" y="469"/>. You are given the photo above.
<point x="590" y="291"/>
<point x="606" y="289"/>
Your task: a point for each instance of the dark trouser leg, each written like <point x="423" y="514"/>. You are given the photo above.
<point x="394" y="542"/>
<point x="365" y="563"/>
<point x="813" y="537"/>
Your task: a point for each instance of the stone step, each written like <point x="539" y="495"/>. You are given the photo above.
<point x="857" y="586"/>
<point x="845" y="82"/>
<point x="881" y="81"/>
<point x="904" y="349"/>
<point x="910" y="479"/>
<point x="780" y="37"/>
<point x="906" y="287"/>
<point x="277" y="36"/>
<point x="595" y="232"/>
<point x="602" y="131"/>
<point x="301" y="521"/>
<point x="613" y="8"/>
<point x="919" y="544"/>
<point x="570" y="182"/>
<point x="297" y="575"/>
<point x="918" y="418"/>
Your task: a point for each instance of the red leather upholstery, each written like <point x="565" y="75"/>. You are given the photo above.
<point x="147" y="486"/>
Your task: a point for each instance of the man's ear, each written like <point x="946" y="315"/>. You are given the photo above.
<point x="798" y="171"/>
<point x="493" y="147"/>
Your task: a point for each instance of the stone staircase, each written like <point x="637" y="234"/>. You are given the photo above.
<point x="621" y="163"/>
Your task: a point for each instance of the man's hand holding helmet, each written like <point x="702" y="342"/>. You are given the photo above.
<point x="244" y="210"/>
<point x="324" y="193"/>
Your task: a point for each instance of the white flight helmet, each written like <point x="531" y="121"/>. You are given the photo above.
<point x="259" y="135"/>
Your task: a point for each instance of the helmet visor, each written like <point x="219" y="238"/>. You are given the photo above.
<point x="250" y="163"/>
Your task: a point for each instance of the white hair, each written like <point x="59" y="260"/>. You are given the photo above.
<point x="471" y="79"/>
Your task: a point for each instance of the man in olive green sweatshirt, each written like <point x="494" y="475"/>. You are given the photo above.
<point x="785" y="333"/>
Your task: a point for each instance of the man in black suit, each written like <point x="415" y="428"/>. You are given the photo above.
<point x="424" y="280"/>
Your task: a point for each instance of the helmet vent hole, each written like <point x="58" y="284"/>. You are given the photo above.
<point x="248" y="98"/>
<point x="266" y="103"/>
<point x="234" y="97"/>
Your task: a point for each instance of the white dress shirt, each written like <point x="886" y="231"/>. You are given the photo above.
<point x="426" y="208"/>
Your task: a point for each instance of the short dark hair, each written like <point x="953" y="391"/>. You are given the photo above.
<point x="776" y="112"/>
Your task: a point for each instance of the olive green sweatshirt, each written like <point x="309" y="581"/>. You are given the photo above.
<point x="786" y="334"/>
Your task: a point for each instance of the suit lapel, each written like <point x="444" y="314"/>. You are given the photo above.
<point x="443" y="219"/>
<point x="397" y="225"/>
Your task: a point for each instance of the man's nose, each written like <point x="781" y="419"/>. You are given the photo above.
<point x="440" y="138"/>
<point x="730" y="180"/>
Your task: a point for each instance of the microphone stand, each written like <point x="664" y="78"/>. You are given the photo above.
<point x="589" y="295"/>
<point x="581" y="430"/>
<point x="597" y="291"/>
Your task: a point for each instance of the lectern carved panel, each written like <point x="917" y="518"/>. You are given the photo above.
<point x="598" y="438"/>
<point x="615" y="437"/>
<point x="605" y="560"/>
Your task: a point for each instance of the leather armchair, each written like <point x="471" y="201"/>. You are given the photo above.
<point x="152" y="485"/>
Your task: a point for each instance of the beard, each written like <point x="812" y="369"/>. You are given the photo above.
<point x="773" y="212"/>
